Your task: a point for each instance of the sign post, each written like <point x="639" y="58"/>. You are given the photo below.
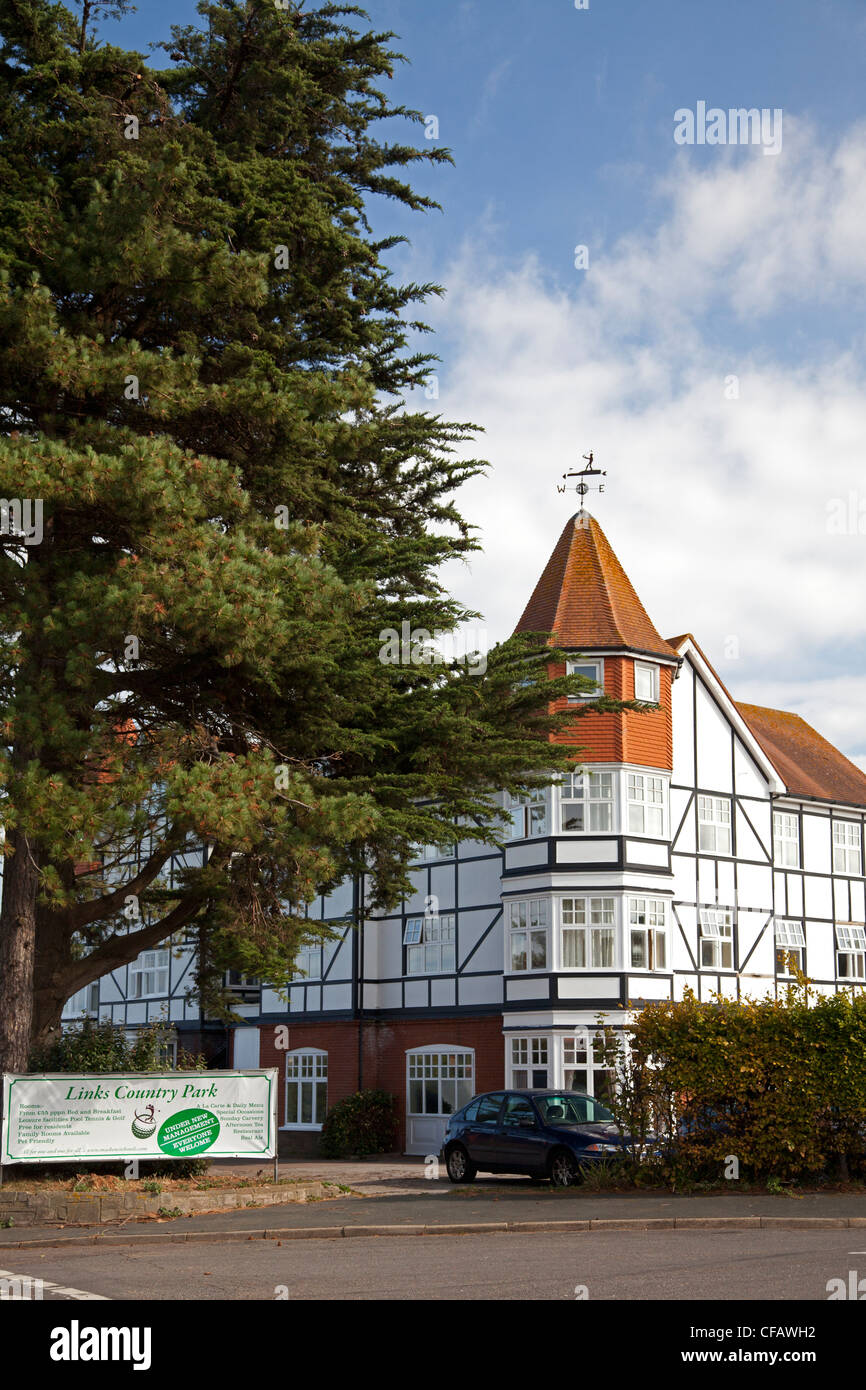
<point x="108" y="1116"/>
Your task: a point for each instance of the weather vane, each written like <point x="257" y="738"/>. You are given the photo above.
<point x="582" y="486"/>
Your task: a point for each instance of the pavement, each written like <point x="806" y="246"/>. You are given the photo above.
<point x="393" y="1198"/>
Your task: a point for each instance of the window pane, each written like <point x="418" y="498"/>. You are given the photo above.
<point x="539" y="950"/>
<point x="292" y="1103"/>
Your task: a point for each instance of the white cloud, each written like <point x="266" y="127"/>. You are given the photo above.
<point x="717" y="508"/>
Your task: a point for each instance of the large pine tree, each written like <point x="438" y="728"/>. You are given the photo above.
<point x="203" y="369"/>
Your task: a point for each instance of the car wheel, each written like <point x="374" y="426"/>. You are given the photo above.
<point x="458" y="1166"/>
<point x="564" y="1171"/>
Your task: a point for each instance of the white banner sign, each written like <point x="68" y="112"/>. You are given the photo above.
<point x="172" y="1114"/>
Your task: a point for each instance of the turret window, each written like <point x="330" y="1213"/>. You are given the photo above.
<point x="593" y="671"/>
<point x="646" y="682"/>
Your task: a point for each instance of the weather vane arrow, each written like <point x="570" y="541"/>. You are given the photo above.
<point x="582" y="486"/>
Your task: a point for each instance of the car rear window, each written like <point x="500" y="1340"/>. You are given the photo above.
<point x="488" y="1109"/>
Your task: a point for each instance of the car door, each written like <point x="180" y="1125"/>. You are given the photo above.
<point x="522" y="1145"/>
<point x="481" y="1134"/>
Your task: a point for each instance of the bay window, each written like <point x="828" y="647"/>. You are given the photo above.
<point x="586" y="801"/>
<point x="588" y="933"/>
<point x="647" y="933"/>
<point x="528" y="925"/>
<point x="530" y="1063"/>
<point x="646" y="804"/>
<point x="583" y="1068"/>
<point x="529" y="814"/>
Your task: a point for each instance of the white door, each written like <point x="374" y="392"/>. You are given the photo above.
<point x="246" y="1051"/>
<point x="439" y="1081"/>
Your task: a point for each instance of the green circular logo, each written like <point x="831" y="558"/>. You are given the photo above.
<point x="188" y="1132"/>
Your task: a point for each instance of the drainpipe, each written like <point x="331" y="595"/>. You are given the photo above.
<point x="358" y="913"/>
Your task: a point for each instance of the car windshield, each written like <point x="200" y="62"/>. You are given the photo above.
<point x="571" y="1108"/>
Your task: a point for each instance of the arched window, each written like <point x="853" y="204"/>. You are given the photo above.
<point x="306" y="1088"/>
<point x="439" y="1079"/>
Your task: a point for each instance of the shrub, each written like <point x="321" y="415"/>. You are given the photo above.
<point x="364" y="1123"/>
<point x="778" y="1084"/>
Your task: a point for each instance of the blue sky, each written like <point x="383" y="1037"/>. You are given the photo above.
<point x="711" y="352"/>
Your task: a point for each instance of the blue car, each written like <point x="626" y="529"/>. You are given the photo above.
<point x="545" y="1134"/>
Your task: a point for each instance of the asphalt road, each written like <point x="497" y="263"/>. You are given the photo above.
<point x="760" y="1265"/>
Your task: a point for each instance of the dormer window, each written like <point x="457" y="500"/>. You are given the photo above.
<point x="646" y="682"/>
<point x="592" y="671"/>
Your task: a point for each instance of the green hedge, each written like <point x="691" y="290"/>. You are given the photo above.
<point x="779" y="1084"/>
<point x="363" y="1123"/>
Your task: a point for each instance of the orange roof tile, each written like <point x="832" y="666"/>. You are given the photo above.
<point x="807" y="763"/>
<point x="585" y="598"/>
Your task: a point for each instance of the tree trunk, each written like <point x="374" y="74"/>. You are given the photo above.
<point x="17" y="951"/>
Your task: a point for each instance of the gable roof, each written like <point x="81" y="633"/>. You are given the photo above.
<point x="586" y="599"/>
<point x="809" y="765"/>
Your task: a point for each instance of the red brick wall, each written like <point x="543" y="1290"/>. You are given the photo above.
<point x="629" y="737"/>
<point x="385" y="1045"/>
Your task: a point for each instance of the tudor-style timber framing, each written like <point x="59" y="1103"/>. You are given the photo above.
<point x="698" y="903"/>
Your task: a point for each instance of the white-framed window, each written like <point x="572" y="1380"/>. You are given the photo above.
<point x="586" y="802"/>
<point x="646" y="682"/>
<point x="529" y="814"/>
<point x="424" y="853"/>
<point x="847" y="858"/>
<point x="717" y="938"/>
<point x="646" y="804"/>
<point x="431" y="944"/>
<point x="528" y="923"/>
<point x="790" y="945"/>
<point x="588" y="933"/>
<point x="714" y="824"/>
<point x="647" y="925"/>
<point x="438" y="1080"/>
<point x="592" y="671"/>
<point x="851" y="952"/>
<point x="241" y="986"/>
<point x="312" y="960"/>
<point x="84" y="1001"/>
<point x="583" y="1068"/>
<point x="306" y="1088"/>
<point x="786" y="839"/>
<point x="530" y="1063"/>
<point x="148" y="974"/>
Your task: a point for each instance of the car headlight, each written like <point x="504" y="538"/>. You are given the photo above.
<point x="604" y="1148"/>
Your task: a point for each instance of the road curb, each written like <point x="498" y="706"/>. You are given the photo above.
<point x="591" y="1226"/>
